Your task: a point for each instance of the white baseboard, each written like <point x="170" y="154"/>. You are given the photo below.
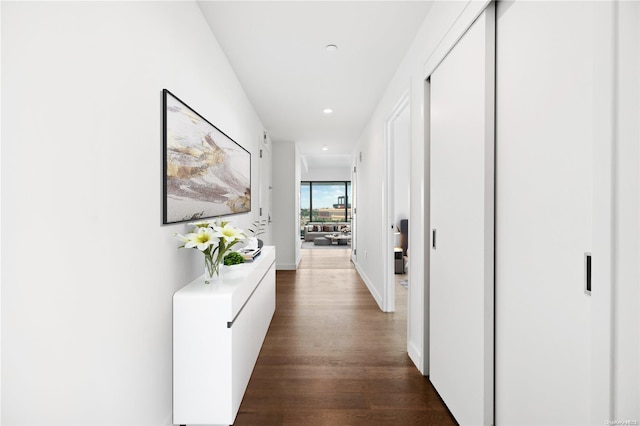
<point x="286" y="266"/>
<point x="416" y="356"/>
<point x="376" y="296"/>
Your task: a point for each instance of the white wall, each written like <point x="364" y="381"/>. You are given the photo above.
<point x="370" y="236"/>
<point x="286" y="204"/>
<point x="326" y="174"/>
<point x="88" y="270"/>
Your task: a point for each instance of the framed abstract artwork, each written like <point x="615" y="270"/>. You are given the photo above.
<point x="206" y="173"/>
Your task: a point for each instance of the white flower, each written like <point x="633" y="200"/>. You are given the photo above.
<point x="201" y="224"/>
<point x="228" y="233"/>
<point x="201" y="239"/>
<point x="181" y="237"/>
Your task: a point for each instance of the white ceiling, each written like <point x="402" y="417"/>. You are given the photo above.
<point x="277" y="49"/>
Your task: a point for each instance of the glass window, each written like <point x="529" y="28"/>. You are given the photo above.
<point x="325" y="202"/>
<point x="305" y="205"/>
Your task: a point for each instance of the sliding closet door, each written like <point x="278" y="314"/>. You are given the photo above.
<point x="462" y="215"/>
<point x="546" y="115"/>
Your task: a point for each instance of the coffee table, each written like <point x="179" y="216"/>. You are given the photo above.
<point x="339" y="239"/>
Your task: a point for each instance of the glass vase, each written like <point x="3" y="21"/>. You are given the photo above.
<point x="212" y="271"/>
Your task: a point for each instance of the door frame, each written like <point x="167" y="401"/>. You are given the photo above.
<point x="265" y="193"/>
<point x="603" y="228"/>
<point x="388" y="295"/>
<point x="354" y="211"/>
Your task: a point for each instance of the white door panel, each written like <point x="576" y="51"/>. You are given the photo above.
<point x="462" y="199"/>
<point x="544" y="167"/>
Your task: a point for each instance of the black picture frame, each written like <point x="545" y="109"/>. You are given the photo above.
<point x="206" y="173"/>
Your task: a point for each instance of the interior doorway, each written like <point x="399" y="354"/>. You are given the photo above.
<point x="266" y="189"/>
<point x="397" y="206"/>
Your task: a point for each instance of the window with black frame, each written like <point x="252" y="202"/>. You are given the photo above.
<point x="325" y="202"/>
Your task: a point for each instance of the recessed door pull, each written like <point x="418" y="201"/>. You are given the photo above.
<point x="433" y="238"/>
<point x="587" y="274"/>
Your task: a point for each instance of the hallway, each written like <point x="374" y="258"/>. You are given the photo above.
<point x="331" y="357"/>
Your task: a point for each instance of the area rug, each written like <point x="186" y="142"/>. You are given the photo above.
<point x="310" y="245"/>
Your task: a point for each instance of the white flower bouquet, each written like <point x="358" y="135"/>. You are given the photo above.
<point x="214" y="240"/>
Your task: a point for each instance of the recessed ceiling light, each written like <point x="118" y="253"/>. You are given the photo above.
<point x="325" y="148"/>
<point x="327" y="110"/>
<point x="331" y="47"/>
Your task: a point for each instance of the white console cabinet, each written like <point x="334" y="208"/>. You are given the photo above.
<point x="218" y="330"/>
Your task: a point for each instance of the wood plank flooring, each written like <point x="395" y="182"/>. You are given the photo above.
<point x="331" y="357"/>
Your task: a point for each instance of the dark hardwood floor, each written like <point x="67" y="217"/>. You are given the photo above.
<point x="331" y="357"/>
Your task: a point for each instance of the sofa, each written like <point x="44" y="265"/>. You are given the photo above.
<point x="319" y="229"/>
